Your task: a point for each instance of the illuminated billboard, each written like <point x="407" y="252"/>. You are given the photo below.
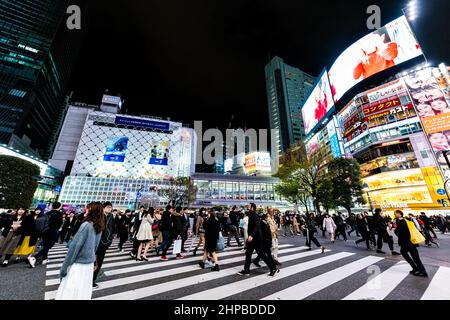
<point x="319" y="103"/>
<point x="116" y="148"/>
<point x="257" y="161"/>
<point x="380" y="50"/>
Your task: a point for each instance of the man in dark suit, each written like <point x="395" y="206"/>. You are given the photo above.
<point x="136" y="225"/>
<point x="68" y="226"/>
<point x="255" y="242"/>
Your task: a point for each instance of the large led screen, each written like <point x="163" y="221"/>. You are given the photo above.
<point x="318" y="104"/>
<point x="380" y="50"/>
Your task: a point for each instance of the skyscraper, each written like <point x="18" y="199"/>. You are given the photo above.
<point x="287" y="89"/>
<point x="37" y="51"/>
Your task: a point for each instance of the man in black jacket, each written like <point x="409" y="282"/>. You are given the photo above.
<point x="105" y="241"/>
<point x="255" y="243"/>
<point x="380" y="227"/>
<point x="231" y="225"/>
<point x="165" y="226"/>
<point x="136" y="225"/>
<point x="427" y="224"/>
<point x="407" y="248"/>
<point x="49" y="236"/>
<point x="69" y="224"/>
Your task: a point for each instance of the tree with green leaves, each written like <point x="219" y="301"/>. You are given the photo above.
<point x="345" y="176"/>
<point x="181" y="191"/>
<point x="18" y="182"/>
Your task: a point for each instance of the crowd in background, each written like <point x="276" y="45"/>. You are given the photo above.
<point x="27" y="236"/>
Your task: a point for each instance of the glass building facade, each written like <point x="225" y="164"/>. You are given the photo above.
<point x="213" y="190"/>
<point x="36" y="55"/>
<point x="287" y="88"/>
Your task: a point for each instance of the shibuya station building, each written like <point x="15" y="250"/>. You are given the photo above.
<point x="384" y="105"/>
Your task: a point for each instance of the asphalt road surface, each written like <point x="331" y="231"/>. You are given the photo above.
<point x="344" y="271"/>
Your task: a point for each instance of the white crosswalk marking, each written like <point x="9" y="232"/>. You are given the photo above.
<point x="126" y="279"/>
<point x="195" y="280"/>
<point x="155" y="275"/>
<point x="439" y="288"/>
<point x="379" y="287"/>
<point x="311" y="286"/>
<point x="254" y="282"/>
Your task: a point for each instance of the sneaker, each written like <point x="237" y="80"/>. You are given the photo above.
<point x="413" y="272"/>
<point x="215" y="268"/>
<point x="95" y="286"/>
<point x="180" y="257"/>
<point x="323" y="249"/>
<point x="274" y="272"/>
<point x="244" y="273"/>
<point x="46" y="261"/>
<point x="382" y="252"/>
<point x="395" y="253"/>
<point x="257" y="264"/>
<point x="201" y="264"/>
<point x="5" y="263"/>
<point x="32" y="261"/>
<point x="132" y="255"/>
<point x="163" y="258"/>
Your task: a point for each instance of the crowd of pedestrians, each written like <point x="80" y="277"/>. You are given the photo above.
<point x="29" y="235"/>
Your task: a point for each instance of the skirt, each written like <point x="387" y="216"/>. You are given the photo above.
<point x="24" y="249"/>
<point x="77" y="284"/>
<point x="9" y="243"/>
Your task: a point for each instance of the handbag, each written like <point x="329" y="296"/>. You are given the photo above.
<point x="220" y="243"/>
<point x="416" y="236"/>
<point x="177" y="246"/>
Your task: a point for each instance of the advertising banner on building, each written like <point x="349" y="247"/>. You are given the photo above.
<point x="433" y="110"/>
<point x="382" y="49"/>
<point x="115" y="149"/>
<point x="160" y="153"/>
<point x="318" y="105"/>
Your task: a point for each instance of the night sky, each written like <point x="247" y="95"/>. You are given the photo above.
<point x="204" y="59"/>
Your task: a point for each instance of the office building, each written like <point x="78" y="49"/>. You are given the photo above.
<point x="287" y="88"/>
<point x="37" y="52"/>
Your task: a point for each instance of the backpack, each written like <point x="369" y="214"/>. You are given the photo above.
<point x="42" y="225"/>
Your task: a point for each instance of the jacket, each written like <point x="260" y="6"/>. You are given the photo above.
<point x="83" y="248"/>
<point x="107" y="235"/>
<point x="403" y="234"/>
<point x="212" y="229"/>
<point x="177" y="223"/>
<point x="55" y="220"/>
<point x="266" y="235"/>
<point x="28" y="229"/>
<point x="166" y="222"/>
<point x="329" y="225"/>
<point x="254" y="226"/>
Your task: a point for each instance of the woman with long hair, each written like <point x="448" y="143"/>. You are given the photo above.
<point x="144" y="234"/>
<point x="12" y="234"/>
<point x="212" y="230"/>
<point x="77" y="270"/>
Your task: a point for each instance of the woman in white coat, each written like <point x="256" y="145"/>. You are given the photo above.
<point x="144" y="234"/>
<point x="329" y="226"/>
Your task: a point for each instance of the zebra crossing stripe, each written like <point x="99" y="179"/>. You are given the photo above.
<point x="439" y="288"/>
<point x="109" y="265"/>
<point x="144" y="266"/>
<point x="189" y="281"/>
<point x="153" y="275"/>
<point x="313" y="285"/>
<point x="254" y="282"/>
<point x="379" y="287"/>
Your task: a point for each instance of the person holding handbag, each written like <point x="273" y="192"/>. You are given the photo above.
<point x="212" y="231"/>
<point x="77" y="270"/>
<point x="407" y="249"/>
<point x="11" y="235"/>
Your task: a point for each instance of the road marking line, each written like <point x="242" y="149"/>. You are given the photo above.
<point x="379" y="287"/>
<point x="439" y="288"/>
<point x="313" y="285"/>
